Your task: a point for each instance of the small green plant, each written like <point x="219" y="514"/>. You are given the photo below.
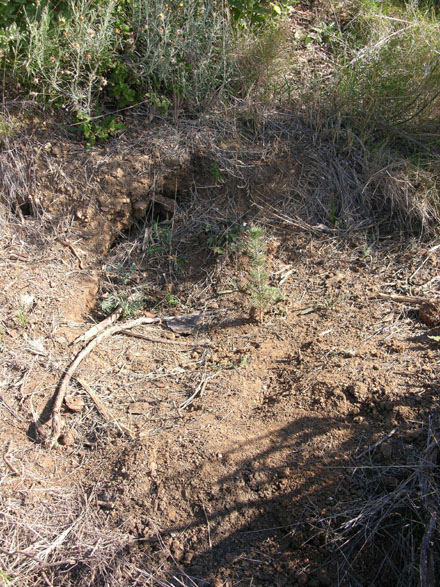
<point x="21" y="317"/>
<point x="224" y="238"/>
<point x="157" y="238"/>
<point x="121" y="274"/>
<point x="262" y="294"/>
<point x="256" y="12"/>
<point x="172" y="300"/>
<point x="129" y="305"/>
<point x="216" y="173"/>
<point x="99" y="129"/>
<point x="5" y="579"/>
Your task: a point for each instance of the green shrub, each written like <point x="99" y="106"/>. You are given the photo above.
<point x="66" y="60"/>
<point x="86" y="55"/>
<point x="182" y="49"/>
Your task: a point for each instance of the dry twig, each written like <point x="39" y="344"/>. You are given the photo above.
<point x="62" y="389"/>
<point x="74" y="251"/>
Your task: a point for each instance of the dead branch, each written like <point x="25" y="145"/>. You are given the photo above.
<point x="62" y="389"/>
<point x="103" y="333"/>
<point x="412" y="300"/>
<point x="97" y="328"/>
<point x="198" y="391"/>
<point x="74" y="251"/>
<point x="163" y="340"/>
<point x="373" y="447"/>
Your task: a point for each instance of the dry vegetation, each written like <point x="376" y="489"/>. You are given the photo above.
<point x="219" y="333"/>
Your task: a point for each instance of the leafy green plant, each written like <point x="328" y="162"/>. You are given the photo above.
<point x="172" y="300"/>
<point x="129" y="304"/>
<point x="98" y="129"/>
<point x="262" y="295"/>
<point x="224" y="238"/>
<point x="258" y="12"/>
<point x="121" y="274"/>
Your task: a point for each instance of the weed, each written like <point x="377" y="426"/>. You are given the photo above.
<point x="121" y="274"/>
<point x="7" y="126"/>
<point x="262" y="295"/>
<point x="172" y="300"/>
<point x="216" y="173"/>
<point x="99" y="129"/>
<point x="129" y="304"/>
<point x="256" y="12"/>
<point x="224" y="238"/>
<point x="21" y="317"/>
<point x="66" y="59"/>
<point x="182" y="50"/>
<point x="157" y="238"/>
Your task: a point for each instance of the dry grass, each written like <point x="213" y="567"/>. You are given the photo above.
<point x="54" y="536"/>
<point x="394" y="523"/>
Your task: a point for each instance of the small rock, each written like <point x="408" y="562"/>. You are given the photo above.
<point x="430" y="313"/>
<point x="74" y="403"/>
<point x="189" y="555"/>
<point x="172" y="515"/>
<point x="68" y="438"/>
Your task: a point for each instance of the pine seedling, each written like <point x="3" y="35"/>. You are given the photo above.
<point x="262" y="294"/>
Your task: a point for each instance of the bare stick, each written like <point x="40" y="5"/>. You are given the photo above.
<point x="160" y="340"/>
<point x="199" y="391"/>
<point x="426" y="566"/>
<point x="5" y="456"/>
<point x="98" y="403"/>
<point x="378" y="443"/>
<point x="97" y="328"/>
<point x="74" y="251"/>
<point x="403" y="299"/>
<point x="62" y="389"/>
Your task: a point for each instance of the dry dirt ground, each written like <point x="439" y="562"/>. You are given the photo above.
<point x="218" y="452"/>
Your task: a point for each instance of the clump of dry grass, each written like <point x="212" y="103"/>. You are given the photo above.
<point x="56" y="536"/>
<point x="394" y="524"/>
<point x="334" y="178"/>
<point x="17" y="178"/>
